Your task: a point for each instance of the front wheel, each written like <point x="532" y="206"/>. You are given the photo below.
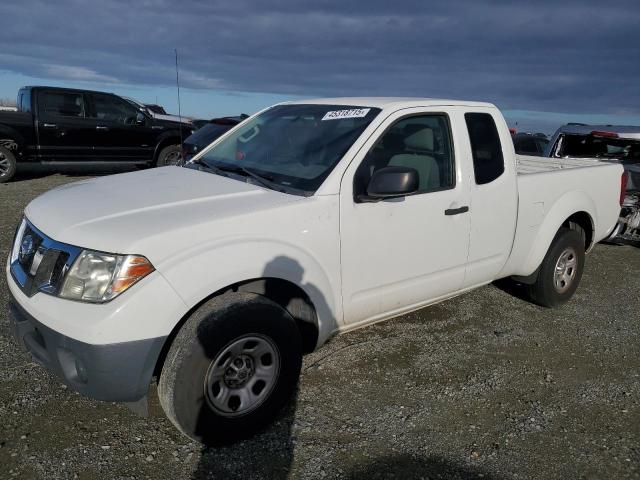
<point x="232" y="366"/>
<point x="7" y="164"/>
<point x="560" y="271"/>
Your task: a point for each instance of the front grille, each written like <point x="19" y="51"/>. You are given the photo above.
<point x="39" y="263"/>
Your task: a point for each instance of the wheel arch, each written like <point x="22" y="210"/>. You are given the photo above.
<point x="12" y="140"/>
<point x="582" y="222"/>
<point x="285" y="293"/>
<point x="562" y="216"/>
<point x="574" y="209"/>
<point x="165" y="140"/>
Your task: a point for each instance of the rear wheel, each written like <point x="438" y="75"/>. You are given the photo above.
<point x="233" y="365"/>
<point x="171" y="155"/>
<point x="7" y="164"/>
<point x="560" y="271"/>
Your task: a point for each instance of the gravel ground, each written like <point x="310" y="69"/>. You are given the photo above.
<point x="482" y="386"/>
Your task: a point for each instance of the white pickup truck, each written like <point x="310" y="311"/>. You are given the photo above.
<point x="309" y="219"/>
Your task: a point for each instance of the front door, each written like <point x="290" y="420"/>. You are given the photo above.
<point x="118" y="135"/>
<point x="64" y="130"/>
<point x="402" y="253"/>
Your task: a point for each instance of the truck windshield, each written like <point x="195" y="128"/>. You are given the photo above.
<point x="293" y="148"/>
<point x="596" y="147"/>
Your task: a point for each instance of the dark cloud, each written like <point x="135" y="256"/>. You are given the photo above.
<point x="574" y="56"/>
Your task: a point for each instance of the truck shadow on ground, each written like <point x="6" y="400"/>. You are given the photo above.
<point x="268" y="454"/>
<point x="406" y="467"/>
<point x="513" y="288"/>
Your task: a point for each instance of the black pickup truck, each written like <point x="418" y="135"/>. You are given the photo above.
<point x="63" y="125"/>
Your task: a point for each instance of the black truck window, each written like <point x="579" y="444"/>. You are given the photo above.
<point x="488" y="163"/>
<point x="113" y="109"/>
<point x="65" y="104"/>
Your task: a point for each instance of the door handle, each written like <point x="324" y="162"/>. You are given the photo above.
<point x="102" y="127"/>
<point x="456" y="211"/>
<point x="49" y="125"/>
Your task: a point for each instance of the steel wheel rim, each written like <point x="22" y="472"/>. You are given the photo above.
<point x="4" y="164"/>
<point x="242" y="375"/>
<point x="565" y="270"/>
<point x="174" y="158"/>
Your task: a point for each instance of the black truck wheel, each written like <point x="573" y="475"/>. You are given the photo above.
<point x="232" y="366"/>
<point x="7" y="164"/>
<point x="171" y="155"/>
<point x="560" y="271"/>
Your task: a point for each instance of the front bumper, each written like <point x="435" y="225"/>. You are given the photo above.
<point x="119" y="372"/>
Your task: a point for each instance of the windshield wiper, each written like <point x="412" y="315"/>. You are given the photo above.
<point x="221" y="169"/>
<point x="201" y="163"/>
<point x="264" y="180"/>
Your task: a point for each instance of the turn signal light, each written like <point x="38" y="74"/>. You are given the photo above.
<point x="133" y="269"/>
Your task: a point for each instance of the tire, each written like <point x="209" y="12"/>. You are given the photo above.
<point x="7" y="164"/>
<point x="200" y="392"/>
<point x="566" y="252"/>
<point x="171" y="155"/>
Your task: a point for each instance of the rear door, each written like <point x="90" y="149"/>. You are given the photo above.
<point x="64" y="130"/>
<point x="118" y="136"/>
<point x="494" y="195"/>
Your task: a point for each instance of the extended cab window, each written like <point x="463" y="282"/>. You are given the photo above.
<point x="113" y="109"/>
<point x="486" y="149"/>
<point x="66" y="104"/>
<point x="422" y="142"/>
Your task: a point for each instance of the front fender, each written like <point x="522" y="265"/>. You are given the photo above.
<point x="198" y="273"/>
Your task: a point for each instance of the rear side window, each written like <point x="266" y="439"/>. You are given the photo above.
<point x="25" y="101"/>
<point x="486" y="149"/>
<point x="64" y="104"/>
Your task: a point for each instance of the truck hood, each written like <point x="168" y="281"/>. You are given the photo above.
<point x="117" y="213"/>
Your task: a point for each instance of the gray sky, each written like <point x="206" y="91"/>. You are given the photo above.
<point x="569" y="57"/>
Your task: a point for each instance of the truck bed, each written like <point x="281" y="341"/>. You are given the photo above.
<point x="526" y="164"/>
<point x="551" y="189"/>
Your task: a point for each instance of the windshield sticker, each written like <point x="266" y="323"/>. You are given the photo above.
<point x="352" y="113"/>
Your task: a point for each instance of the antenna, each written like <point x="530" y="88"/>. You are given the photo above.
<point x="178" y="86"/>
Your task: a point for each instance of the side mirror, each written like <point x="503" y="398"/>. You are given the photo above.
<point x="140" y="118"/>
<point x="392" y="182"/>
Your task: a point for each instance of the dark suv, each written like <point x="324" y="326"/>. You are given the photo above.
<point x="207" y="133"/>
<point x="63" y="125"/>
<point x="530" y="143"/>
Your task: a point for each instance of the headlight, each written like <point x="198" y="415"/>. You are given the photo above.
<point x="17" y="239"/>
<point x="99" y="277"/>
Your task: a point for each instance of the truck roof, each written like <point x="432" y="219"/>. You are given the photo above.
<point x="623" y="131"/>
<point x="31" y="87"/>
<point x="390" y="102"/>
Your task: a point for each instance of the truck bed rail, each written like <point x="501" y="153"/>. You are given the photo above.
<point x="526" y="164"/>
